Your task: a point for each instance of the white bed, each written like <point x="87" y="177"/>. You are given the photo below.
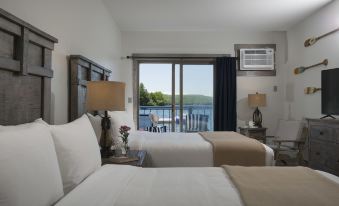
<point x="70" y="174"/>
<point x="178" y="149"/>
<point x="114" y="185"/>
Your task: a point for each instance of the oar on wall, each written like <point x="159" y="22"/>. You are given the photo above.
<point x="300" y="70"/>
<point x="311" y="90"/>
<point x="313" y="40"/>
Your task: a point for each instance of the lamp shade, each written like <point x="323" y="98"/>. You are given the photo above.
<point x="257" y="100"/>
<point x="105" y="95"/>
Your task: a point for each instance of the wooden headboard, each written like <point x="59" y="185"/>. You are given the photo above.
<point x="25" y="71"/>
<point x="81" y="70"/>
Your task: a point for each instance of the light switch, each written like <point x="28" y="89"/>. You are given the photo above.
<point x="129" y="99"/>
<point x="275" y="88"/>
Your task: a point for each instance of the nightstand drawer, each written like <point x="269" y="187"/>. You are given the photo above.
<point x="257" y="134"/>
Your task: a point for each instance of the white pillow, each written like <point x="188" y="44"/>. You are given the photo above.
<point x="29" y="173"/>
<point x="118" y="119"/>
<point x="77" y="150"/>
<point x="21" y="126"/>
<point x="96" y="124"/>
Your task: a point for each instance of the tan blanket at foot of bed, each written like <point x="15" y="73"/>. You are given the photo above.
<point x="231" y="148"/>
<point x="283" y="186"/>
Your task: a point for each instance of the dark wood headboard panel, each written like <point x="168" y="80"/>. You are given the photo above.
<point x="25" y="71"/>
<point x="82" y="70"/>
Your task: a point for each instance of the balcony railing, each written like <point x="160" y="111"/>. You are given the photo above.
<point x="165" y="116"/>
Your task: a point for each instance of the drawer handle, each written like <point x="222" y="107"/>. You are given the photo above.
<point x="318" y="153"/>
<point x="321" y="133"/>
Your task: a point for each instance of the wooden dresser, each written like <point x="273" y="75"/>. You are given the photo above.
<point x="324" y="145"/>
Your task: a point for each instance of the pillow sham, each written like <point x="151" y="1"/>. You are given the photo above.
<point x="21" y="126"/>
<point x="77" y="151"/>
<point x="29" y="173"/>
<point x="118" y="119"/>
<point x="96" y="124"/>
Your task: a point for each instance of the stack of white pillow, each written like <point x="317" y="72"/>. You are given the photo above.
<point x="40" y="163"/>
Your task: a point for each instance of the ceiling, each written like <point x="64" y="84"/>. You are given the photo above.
<point x="210" y="15"/>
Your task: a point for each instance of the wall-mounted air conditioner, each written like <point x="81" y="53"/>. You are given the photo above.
<point x="257" y="59"/>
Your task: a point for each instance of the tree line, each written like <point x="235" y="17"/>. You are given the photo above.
<point x="160" y="99"/>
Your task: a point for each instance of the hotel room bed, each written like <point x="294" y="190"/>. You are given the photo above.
<point x="114" y="185"/>
<point x="179" y="149"/>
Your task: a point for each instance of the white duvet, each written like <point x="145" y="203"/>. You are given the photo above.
<point x="178" y="149"/>
<point x="119" y="185"/>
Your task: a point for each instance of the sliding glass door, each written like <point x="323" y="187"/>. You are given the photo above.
<point x="178" y="93"/>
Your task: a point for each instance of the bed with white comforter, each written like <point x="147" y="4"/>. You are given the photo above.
<point x="117" y="185"/>
<point x="178" y="149"/>
<point x="60" y="165"/>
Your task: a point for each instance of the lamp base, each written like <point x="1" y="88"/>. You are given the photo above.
<point x="106" y="140"/>
<point x="257" y="118"/>
<point x="106" y="152"/>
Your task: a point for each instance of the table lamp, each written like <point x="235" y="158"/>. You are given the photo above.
<point x="105" y="96"/>
<point x="257" y="100"/>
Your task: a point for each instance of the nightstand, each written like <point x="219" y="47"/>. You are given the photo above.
<point x="255" y="133"/>
<point x="140" y="154"/>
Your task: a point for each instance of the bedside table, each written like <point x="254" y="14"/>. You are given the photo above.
<point x="140" y="154"/>
<point x="255" y="133"/>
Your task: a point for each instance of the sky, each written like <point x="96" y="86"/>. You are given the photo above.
<point x="198" y="79"/>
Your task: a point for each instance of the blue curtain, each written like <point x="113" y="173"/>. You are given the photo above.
<point x="225" y="94"/>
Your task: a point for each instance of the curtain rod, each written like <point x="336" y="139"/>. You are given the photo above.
<point x="177" y="57"/>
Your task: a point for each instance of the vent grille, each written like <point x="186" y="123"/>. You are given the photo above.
<point x="256" y="59"/>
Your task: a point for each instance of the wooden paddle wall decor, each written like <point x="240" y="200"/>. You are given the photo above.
<point x="311" y="41"/>
<point x="302" y="69"/>
<point x="311" y="90"/>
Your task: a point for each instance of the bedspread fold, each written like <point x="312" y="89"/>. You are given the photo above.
<point x="281" y="186"/>
<point x="231" y="148"/>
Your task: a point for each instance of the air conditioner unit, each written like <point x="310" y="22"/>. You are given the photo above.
<point x="257" y="59"/>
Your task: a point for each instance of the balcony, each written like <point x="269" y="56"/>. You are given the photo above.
<point x="195" y="117"/>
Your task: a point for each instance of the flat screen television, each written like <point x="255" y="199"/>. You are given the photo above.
<point x="330" y="92"/>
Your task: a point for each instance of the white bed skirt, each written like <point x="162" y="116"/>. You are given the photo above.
<point x="178" y="149"/>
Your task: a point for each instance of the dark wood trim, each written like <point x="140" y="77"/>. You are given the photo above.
<point x="88" y="61"/>
<point x="16" y="20"/>
<point x="40" y="71"/>
<point x="38" y="40"/>
<point x="10" y="27"/>
<point x="47" y="58"/>
<point x="9" y="64"/>
<point x="135" y="77"/>
<point x="25" y="71"/>
<point x="46" y="100"/>
<point x="80" y="71"/>
<point x="23" y="51"/>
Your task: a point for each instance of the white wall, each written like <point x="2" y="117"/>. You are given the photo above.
<point x="82" y="27"/>
<point x="323" y="21"/>
<point x="216" y="42"/>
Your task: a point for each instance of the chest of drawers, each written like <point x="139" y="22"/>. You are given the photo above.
<point x="324" y="145"/>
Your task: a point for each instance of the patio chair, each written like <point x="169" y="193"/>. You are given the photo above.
<point x="144" y="121"/>
<point x="196" y="123"/>
<point x="289" y="142"/>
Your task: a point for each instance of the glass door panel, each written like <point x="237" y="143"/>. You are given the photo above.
<point x="197" y="98"/>
<point x="155" y="94"/>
